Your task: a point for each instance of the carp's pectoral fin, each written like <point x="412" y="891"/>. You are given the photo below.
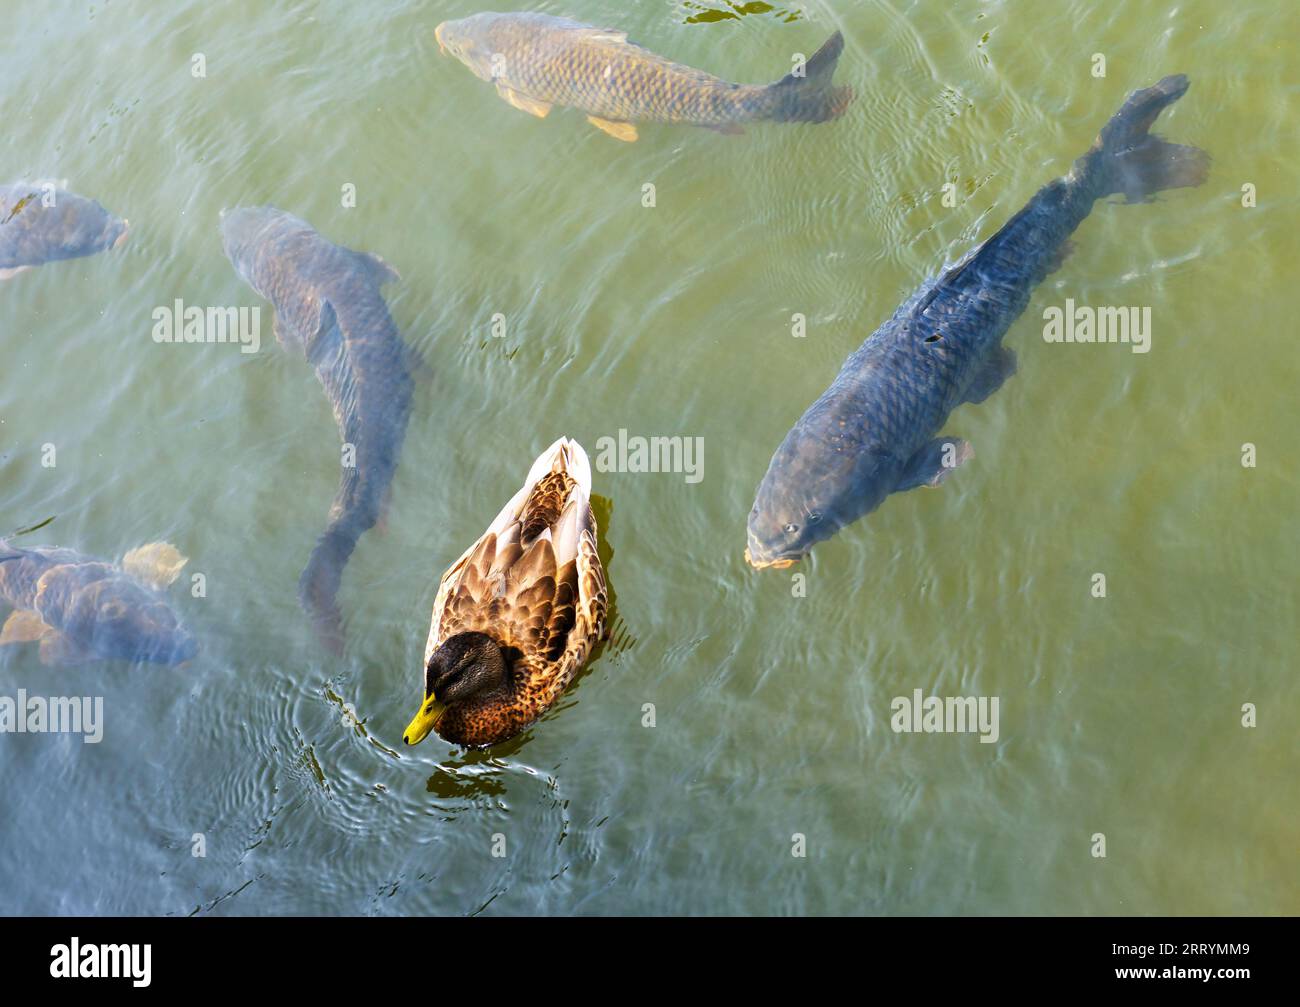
<point x="325" y="338"/>
<point x="305" y="337"/>
<point x="23" y="626"/>
<point x="1059" y="256"/>
<point x="999" y="366"/>
<point x="6" y="274"/>
<point x="57" y="649"/>
<point x="935" y="462"/>
<point x="624" y="131"/>
<point x="157" y="564"/>
<point x="532" y="106"/>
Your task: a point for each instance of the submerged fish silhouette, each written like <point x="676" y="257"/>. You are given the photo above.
<point x="42" y="222"/>
<point x="871" y="432"/>
<point x="328" y="305"/>
<point x="83" y="609"/>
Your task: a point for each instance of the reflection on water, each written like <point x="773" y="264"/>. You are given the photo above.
<point x="706" y="14"/>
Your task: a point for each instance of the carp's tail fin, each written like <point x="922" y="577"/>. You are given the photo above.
<point x="1128" y="159"/>
<point x="318" y="587"/>
<point x="806" y="94"/>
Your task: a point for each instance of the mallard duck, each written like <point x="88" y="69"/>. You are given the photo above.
<point x="516" y="617"/>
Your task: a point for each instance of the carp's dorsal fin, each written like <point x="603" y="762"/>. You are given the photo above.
<point x="379" y="269"/>
<point x="616" y="35"/>
<point x="1000" y="365"/>
<point x="157" y="564"/>
<point x="23" y="626"/>
<point x="532" y="106"/>
<point x="624" y="131"/>
<point x="57" y="649"/>
<point x="934" y="462"/>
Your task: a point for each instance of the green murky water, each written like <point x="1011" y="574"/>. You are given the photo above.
<point x="1120" y="716"/>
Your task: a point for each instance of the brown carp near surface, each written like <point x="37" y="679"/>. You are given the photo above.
<point x="82" y="609"/>
<point x="42" y="222"/>
<point x="328" y="306"/>
<point x="538" y="61"/>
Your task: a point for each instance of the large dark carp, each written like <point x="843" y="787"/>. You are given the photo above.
<point x="83" y="609"/>
<point x="41" y="222"/>
<point x="328" y="305"/>
<point x="873" y="430"/>
<point x="537" y="61"/>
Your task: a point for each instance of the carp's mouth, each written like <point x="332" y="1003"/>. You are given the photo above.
<point x="775" y="563"/>
<point x="437" y="34"/>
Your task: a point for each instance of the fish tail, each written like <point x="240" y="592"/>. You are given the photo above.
<point x="807" y="94"/>
<point x="1127" y="159"/>
<point x="318" y="587"/>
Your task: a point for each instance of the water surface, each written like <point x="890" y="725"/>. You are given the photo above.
<point x="1119" y="716"/>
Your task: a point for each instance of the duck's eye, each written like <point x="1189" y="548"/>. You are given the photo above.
<point x="814" y="517"/>
<point x="790" y="529"/>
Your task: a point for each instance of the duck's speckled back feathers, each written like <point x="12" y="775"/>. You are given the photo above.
<point x="533" y="583"/>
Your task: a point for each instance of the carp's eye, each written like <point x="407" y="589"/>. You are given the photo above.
<point x="814" y="517"/>
<point x="790" y="529"/>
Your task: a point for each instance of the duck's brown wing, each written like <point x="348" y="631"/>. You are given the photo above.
<point x="589" y="609"/>
<point x="553" y="616"/>
<point x="513" y="594"/>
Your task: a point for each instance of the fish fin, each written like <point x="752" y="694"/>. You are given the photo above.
<point x="935" y="462"/>
<point x="1128" y="159"/>
<point x="6" y="274"/>
<point x="292" y="338"/>
<point x="57" y="649"/>
<point x="807" y="95"/>
<point x="23" y="626"/>
<point x="524" y="103"/>
<point x="590" y="34"/>
<point x="624" y="131"/>
<point x="381" y="270"/>
<point x="728" y="128"/>
<point x="157" y="564"/>
<point x="319" y="344"/>
<point x="1058" y="258"/>
<point x="998" y="366"/>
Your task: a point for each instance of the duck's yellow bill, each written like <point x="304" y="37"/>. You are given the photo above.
<point x="425" y="721"/>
